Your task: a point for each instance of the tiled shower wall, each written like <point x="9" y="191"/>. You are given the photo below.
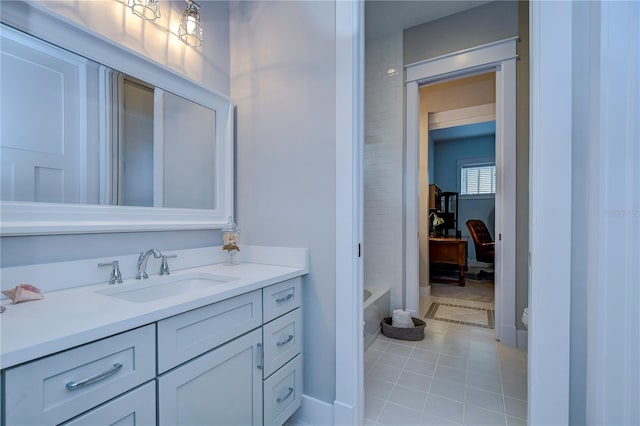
<point x="383" y="165"/>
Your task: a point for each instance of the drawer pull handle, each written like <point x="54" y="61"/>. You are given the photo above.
<point x="86" y="382"/>
<point x="284" y="342"/>
<point x="282" y="398"/>
<point x="284" y="299"/>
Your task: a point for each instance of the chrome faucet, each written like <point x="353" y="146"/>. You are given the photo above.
<point x="142" y="263"/>
<point x="164" y="267"/>
<point x="116" y="275"/>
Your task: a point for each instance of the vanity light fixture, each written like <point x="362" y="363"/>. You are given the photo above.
<point x="146" y="9"/>
<point x="190" y="31"/>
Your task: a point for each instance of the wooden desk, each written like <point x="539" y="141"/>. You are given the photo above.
<point x="452" y="251"/>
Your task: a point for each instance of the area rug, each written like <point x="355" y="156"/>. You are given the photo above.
<point x="458" y="314"/>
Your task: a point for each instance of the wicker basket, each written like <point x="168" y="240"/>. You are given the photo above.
<point x="415" y="333"/>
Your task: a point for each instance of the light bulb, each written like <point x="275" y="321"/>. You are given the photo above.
<point x="191" y="25"/>
<point x="190" y="30"/>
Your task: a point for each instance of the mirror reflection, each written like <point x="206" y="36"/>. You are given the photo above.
<point x="74" y="131"/>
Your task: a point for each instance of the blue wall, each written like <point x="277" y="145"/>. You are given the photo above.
<point x="459" y="143"/>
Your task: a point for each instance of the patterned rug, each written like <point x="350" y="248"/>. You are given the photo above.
<point x="458" y="314"/>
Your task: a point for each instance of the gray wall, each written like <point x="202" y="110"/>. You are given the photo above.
<point x="491" y="22"/>
<point x="473" y="27"/>
<point x="283" y="81"/>
<point x="209" y="66"/>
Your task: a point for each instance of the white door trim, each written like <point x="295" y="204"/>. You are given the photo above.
<point x="499" y="56"/>
<point x="348" y="407"/>
<point x="550" y="177"/>
<point x="462" y="116"/>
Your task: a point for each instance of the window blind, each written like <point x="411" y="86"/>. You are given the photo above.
<point x="477" y="180"/>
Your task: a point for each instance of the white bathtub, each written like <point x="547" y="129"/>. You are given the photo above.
<point x="376" y="307"/>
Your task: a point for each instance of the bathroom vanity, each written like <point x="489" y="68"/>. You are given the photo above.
<point x="212" y="344"/>
<point x="208" y="344"/>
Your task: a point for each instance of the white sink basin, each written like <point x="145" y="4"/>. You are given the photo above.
<point x="162" y="287"/>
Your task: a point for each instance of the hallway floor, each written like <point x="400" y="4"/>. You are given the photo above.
<point x="458" y="374"/>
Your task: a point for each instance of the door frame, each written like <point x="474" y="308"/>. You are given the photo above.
<point x="348" y="406"/>
<point x="499" y="56"/>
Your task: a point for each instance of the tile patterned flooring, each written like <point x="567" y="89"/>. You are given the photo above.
<point x="457" y="375"/>
<point x="459" y="314"/>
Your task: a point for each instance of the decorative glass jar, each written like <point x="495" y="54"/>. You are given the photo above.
<point x="230" y="238"/>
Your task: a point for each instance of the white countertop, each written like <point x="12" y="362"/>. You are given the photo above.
<point x="72" y="317"/>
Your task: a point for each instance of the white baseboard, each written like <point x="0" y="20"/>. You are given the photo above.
<point x="344" y="415"/>
<point x="315" y="412"/>
<point x="522" y="339"/>
<point x="508" y="336"/>
<point x="425" y="291"/>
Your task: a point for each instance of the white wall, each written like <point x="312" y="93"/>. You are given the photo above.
<point x="158" y="40"/>
<point x="209" y="66"/>
<point x="383" y="165"/>
<point x="283" y="81"/>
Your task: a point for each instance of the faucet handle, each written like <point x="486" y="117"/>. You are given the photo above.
<point x="164" y="266"/>
<point x="116" y="276"/>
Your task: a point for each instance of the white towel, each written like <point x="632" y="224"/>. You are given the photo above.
<point x="401" y="319"/>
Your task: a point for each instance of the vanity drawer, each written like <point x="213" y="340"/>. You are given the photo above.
<point x="135" y="408"/>
<point x="185" y="336"/>
<point x="283" y="392"/>
<point x="61" y="386"/>
<point x="282" y="340"/>
<point x="281" y="298"/>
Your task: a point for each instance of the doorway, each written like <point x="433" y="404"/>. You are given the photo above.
<point x="456" y="184"/>
<point x="498" y="57"/>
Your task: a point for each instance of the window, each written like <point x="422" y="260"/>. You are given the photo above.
<point x="477" y="179"/>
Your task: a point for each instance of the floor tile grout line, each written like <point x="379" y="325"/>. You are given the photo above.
<point x="449" y="331"/>
<point x="504" y="402"/>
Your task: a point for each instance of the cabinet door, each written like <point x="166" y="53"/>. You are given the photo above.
<point x="135" y="408"/>
<point x="220" y="387"/>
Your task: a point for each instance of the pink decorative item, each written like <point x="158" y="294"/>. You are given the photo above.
<point x="24" y="293"/>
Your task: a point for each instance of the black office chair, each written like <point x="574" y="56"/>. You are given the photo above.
<point x="484" y="244"/>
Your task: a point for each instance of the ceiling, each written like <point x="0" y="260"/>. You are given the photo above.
<point x="385" y="16"/>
